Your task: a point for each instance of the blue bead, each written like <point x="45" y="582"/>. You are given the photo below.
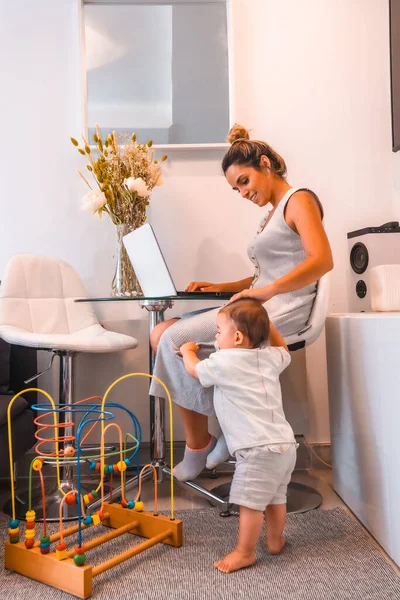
<point x="131" y="504"/>
<point x="13" y="524"/>
<point x="127" y="462"/>
<point x="92" y="466"/>
<point x="110" y="469"/>
<point x="88" y="520"/>
<point x="44" y="545"/>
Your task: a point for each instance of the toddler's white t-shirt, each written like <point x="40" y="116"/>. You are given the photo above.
<point x="247" y="395"/>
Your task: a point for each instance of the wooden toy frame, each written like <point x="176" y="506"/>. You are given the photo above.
<point x="78" y="581"/>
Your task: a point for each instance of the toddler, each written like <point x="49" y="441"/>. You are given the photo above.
<point x="248" y="403"/>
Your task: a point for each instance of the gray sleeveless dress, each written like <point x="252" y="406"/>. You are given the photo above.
<point x="275" y="251"/>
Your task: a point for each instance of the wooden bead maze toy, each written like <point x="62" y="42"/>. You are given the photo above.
<point x="48" y="559"/>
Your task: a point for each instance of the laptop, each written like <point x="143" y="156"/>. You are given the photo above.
<point x="151" y="269"/>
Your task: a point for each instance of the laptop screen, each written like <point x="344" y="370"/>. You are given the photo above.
<point x="148" y="262"/>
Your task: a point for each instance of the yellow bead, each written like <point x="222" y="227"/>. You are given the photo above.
<point x="30" y="534"/>
<point x="139" y="506"/>
<point x="86" y="499"/>
<point x="96" y="519"/>
<point x="121" y="465"/>
<point x="30" y="515"/>
<point x="13" y="531"/>
<point x="61" y="554"/>
<point x="37" y="464"/>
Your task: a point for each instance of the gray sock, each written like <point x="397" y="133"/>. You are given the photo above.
<point x="219" y="454"/>
<point x="193" y="462"/>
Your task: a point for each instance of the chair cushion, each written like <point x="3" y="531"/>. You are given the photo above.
<point x="37" y="295"/>
<point x="38" y="308"/>
<point x="90" y="339"/>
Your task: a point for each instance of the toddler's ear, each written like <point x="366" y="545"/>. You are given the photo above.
<point x="238" y="338"/>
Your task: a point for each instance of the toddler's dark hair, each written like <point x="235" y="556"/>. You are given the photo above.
<point x="250" y="318"/>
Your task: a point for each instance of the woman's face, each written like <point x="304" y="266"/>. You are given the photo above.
<point x="252" y="184"/>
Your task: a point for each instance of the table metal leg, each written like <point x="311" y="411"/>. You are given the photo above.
<point x="156" y="310"/>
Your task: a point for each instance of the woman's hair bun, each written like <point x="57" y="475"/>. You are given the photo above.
<point x="237" y="132"/>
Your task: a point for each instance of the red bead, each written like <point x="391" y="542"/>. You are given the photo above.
<point x="97" y="467"/>
<point x="70" y="498"/>
<point x="44" y="550"/>
<point x="29" y="543"/>
<point x="124" y="503"/>
<point x="115" y="468"/>
<point x="30" y="525"/>
<point x="100" y="513"/>
<point x="14" y="535"/>
<point x="61" y="546"/>
<point x="91" y="497"/>
<point x="78" y="550"/>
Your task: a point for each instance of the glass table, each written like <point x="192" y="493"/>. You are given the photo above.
<point x="156" y="307"/>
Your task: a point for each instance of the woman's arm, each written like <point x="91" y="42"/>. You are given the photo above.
<point x="304" y="217"/>
<point x="206" y="286"/>
<point x="275" y="338"/>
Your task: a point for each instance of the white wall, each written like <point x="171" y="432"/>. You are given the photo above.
<point x="312" y="78"/>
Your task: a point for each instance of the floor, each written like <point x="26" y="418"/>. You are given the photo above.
<point x="319" y="479"/>
<point x="185" y="498"/>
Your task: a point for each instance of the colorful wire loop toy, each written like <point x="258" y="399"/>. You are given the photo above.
<point x="36" y="558"/>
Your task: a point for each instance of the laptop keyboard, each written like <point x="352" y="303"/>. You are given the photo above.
<point x="222" y="295"/>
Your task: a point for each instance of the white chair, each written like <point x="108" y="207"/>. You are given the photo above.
<point x="301" y="497"/>
<point x="38" y="309"/>
<point x="317" y="319"/>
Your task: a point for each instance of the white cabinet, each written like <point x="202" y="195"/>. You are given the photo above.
<point x="363" y="353"/>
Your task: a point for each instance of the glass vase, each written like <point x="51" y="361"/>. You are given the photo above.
<point x="125" y="282"/>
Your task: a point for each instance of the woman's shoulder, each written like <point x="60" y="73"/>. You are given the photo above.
<point x="303" y="200"/>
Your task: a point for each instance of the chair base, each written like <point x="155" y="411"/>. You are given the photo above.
<point x="53" y="501"/>
<point x="300" y="498"/>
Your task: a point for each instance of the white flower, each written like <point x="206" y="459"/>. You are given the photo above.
<point x="137" y="185"/>
<point x="93" y="200"/>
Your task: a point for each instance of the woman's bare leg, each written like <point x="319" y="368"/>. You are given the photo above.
<point x="244" y="555"/>
<point x="157" y="332"/>
<point x="196" y="428"/>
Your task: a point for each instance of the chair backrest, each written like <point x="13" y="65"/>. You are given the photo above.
<point x="317" y="318"/>
<point x="37" y="295"/>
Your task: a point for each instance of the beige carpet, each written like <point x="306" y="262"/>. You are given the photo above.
<point x="328" y="557"/>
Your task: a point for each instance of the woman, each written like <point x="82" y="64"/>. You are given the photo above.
<point x="290" y="252"/>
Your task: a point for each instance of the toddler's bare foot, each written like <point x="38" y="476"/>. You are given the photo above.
<point x="275" y="546"/>
<point x="234" y="561"/>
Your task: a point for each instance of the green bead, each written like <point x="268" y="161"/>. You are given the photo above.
<point x="14" y="540"/>
<point x="79" y="559"/>
<point x="45" y="539"/>
<point x="94" y="494"/>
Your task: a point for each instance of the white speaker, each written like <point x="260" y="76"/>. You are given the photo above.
<point x="370" y="247"/>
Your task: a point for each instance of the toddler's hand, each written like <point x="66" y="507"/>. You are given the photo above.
<point x="189" y="347"/>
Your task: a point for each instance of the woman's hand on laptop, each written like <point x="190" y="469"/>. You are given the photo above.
<point x="203" y="286"/>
